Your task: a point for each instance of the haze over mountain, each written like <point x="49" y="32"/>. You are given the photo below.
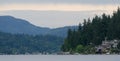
<point x="56" y="13"/>
<point x="13" y="25"/>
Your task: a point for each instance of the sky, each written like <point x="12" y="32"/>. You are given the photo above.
<point x="56" y="13"/>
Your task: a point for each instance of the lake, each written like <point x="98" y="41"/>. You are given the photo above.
<point x="59" y="57"/>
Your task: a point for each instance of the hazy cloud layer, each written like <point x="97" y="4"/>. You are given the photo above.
<point x="54" y="19"/>
<point x="61" y="1"/>
<point x="58" y="7"/>
<point x="56" y="13"/>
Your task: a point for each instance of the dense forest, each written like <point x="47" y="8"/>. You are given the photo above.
<point x="28" y="44"/>
<point x="92" y="32"/>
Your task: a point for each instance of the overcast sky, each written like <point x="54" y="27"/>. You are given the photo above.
<point x="56" y="13"/>
<point x="61" y="1"/>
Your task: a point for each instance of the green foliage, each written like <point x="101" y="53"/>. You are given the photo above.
<point x="93" y="32"/>
<point x="80" y="49"/>
<point x="21" y="43"/>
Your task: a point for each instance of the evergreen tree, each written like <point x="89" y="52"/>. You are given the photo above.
<point x="93" y="32"/>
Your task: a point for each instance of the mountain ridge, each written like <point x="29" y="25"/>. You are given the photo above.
<point x="14" y="25"/>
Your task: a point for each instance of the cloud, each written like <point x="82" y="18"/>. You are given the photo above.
<point x="56" y="13"/>
<point x="57" y="7"/>
<point x="54" y="19"/>
<point x="62" y="1"/>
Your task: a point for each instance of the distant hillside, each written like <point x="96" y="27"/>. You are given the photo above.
<point x="61" y="31"/>
<point x="13" y="25"/>
<point x="22" y="44"/>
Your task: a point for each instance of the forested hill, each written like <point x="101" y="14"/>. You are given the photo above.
<point x="93" y="32"/>
<point x="14" y="25"/>
<point x="26" y="44"/>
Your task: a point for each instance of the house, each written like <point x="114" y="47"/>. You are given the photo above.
<point x="106" y="46"/>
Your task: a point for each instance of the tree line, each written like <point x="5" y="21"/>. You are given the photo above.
<point x="28" y="44"/>
<point x="92" y="32"/>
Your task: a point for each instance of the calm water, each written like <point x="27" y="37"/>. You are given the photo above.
<point x="59" y="57"/>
